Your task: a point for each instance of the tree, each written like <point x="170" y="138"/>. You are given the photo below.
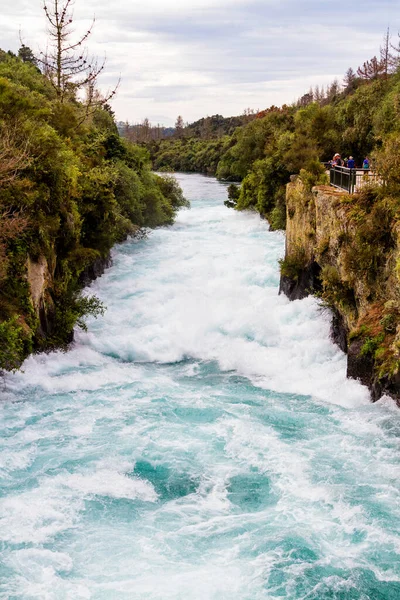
<point x="146" y="128"/>
<point x="371" y="69"/>
<point x="385" y="55"/>
<point x="318" y="94"/>
<point x="27" y="56"/>
<point x="66" y="63"/>
<point x="333" y="91"/>
<point x="179" y="126"/>
<point x="14" y="153"/>
<point x="306" y="99"/>
<point x="12" y="224"/>
<point x="249" y="112"/>
<point x="395" y="58"/>
<point x="349" y="79"/>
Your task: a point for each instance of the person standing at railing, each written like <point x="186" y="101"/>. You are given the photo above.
<point x="366" y="163"/>
<point x="351" y="163"/>
<point x="337" y="161"/>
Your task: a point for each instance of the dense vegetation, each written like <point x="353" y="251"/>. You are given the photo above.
<point x="70" y="188"/>
<point x="358" y="119"/>
<point x="191" y="155"/>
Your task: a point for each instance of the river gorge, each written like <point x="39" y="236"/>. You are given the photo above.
<point x="201" y="441"/>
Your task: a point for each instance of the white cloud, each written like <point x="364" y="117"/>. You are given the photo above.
<point x="207" y="56"/>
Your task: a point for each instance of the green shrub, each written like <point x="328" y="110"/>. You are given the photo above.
<point x="277" y="217"/>
<point x="314" y="175"/>
<point x="233" y="196"/>
<point x="391" y="317"/>
<point x="292" y="265"/>
<point x="336" y="292"/>
<point x="70" y="312"/>
<point x="12" y="344"/>
<point x="371" y="345"/>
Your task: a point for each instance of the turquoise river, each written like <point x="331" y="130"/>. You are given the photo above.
<point x="201" y="440"/>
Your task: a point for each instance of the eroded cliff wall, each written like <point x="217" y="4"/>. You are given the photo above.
<point x="347" y="250"/>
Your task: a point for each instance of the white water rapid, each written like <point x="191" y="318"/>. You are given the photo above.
<point x="201" y="441"/>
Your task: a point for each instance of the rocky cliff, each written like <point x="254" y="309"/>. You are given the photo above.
<point x="347" y="250"/>
<point x="41" y="284"/>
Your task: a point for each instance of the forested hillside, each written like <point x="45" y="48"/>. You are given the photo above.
<point x="70" y="188"/>
<point x="360" y="118"/>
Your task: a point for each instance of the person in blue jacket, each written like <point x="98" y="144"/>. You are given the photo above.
<point x="351" y="163"/>
<point x="366" y="163"/>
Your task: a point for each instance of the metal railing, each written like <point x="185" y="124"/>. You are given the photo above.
<point x="351" y="180"/>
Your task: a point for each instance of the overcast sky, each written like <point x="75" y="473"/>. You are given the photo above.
<point x="202" y="57"/>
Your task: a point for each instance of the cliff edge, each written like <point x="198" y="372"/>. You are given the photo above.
<point x="346" y="249"/>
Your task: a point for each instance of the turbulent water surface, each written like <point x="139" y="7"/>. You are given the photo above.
<point x="201" y="441"/>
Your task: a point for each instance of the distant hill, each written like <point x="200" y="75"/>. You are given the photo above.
<point x="217" y="126"/>
<point x="206" y="128"/>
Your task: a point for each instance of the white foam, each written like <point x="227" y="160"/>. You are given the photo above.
<point x="83" y="422"/>
<point x="110" y="484"/>
<point x="39" y="514"/>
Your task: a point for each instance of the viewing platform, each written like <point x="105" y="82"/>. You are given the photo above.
<point x="351" y="180"/>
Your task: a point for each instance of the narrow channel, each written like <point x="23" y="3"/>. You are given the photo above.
<point x="201" y="440"/>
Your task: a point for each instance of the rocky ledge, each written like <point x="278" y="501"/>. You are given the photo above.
<point x="336" y="247"/>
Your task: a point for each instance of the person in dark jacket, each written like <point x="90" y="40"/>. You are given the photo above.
<point x="337" y="161"/>
<point x="366" y="163"/>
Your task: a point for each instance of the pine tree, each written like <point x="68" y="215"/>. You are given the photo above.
<point x="306" y="99"/>
<point x="349" y="79"/>
<point x="333" y="91"/>
<point x="27" y="56"/>
<point x="145" y="130"/>
<point x="318" y="95"/>
<point x="179" y="126"/>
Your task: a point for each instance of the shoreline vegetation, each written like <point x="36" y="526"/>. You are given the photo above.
<point x="70" y="188"/>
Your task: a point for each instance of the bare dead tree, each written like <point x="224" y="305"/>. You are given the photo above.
<point x="14" y="153"/>
<point x="12" y="224"/>
<point x="371" y="69"/>
<point x="385" y="55"/>
<point x="14" y="157"/>
<point x="318" y="95"/>
<point x="66" y="62"/>
<point x="395" y="58"/>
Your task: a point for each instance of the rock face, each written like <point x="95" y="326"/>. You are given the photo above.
<point x="40" y="281"/>
<point x="325" y="253"/>
<point x="308" y="282"/>
<point x="40" y="276"/>
<point x="96" y="269"/>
